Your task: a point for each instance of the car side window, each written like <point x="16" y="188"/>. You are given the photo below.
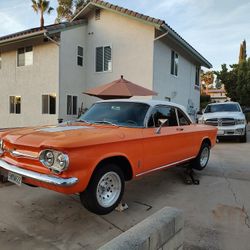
<point x="163" y="112"/>
<point x="183" y="120"/>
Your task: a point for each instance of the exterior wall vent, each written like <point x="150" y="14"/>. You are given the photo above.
<point x="97" y="14"/>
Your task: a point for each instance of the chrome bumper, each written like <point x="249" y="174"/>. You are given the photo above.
<point x="237" y="130"/>
<point x="50" y="179"/>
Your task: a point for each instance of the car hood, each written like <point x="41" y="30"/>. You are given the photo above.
<point x="234" y="115"/>
<point x="63" y="136"/>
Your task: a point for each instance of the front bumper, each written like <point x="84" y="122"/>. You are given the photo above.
<point x="237" y="130"/>
<point x="49" y="179"/>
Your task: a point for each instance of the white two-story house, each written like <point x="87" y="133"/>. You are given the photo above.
<point x="43" y="72"/>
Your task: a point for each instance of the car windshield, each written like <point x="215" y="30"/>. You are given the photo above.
<point x="128" y="114"/>
<point x="230" y="107"/>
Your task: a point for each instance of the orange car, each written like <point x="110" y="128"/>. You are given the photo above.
<point x="113" y="142"/>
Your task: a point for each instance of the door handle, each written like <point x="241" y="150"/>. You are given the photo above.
<point x="180" y="129"/>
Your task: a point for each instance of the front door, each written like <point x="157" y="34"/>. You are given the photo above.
<point x="168" y="146"/>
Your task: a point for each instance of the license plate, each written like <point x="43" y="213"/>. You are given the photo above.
<point x="220" y="132"/>
<point x="15" y="178"/>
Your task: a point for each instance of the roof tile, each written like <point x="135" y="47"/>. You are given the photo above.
<point x="45" y="28"/>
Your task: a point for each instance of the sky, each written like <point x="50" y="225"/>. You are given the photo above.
<point x="213" y="27"/>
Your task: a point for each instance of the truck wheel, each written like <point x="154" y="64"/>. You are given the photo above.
<point x="200" y="162"/>
<point x="105" y="190"/>
<point x="243" y="138"/>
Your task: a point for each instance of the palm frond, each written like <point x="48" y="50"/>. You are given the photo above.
<point x="34" y="5"/>
<point x="50" y="9"/>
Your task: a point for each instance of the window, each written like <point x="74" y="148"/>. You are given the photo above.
<point x="128" y="114"/>
<point x="0" y="60"/>
<point x="71" y="105"/>
<point x="25" y="56"/>
<point x="197" y="76"/>
<point x="49" y="104"/>
<point x="80" y="56"/>
<point x="183" y="120"/>
<point x="222" y="107"/>
<point x="163" y="112"/>
<point x="15" y="104"/>
<point x="174" y="63"/>
<point x="103" y="59"/>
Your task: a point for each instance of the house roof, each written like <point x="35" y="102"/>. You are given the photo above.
<point x="216" y="91"/>
<point x="159" y="23"/>
<point x="119" y="9"/>
<point x="38" y="30"/>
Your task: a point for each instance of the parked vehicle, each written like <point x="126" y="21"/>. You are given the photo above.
<point x="113" y="142"/>
<point x="228" y="118"/>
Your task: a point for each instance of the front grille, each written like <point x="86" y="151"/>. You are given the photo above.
<point x="14" y="152"/>
<point x="221" y="122"/>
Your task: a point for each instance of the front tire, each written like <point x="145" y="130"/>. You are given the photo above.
<point x="200" y="162"/>
<point x="243" y="138"/>
<point x="105" y="190"/>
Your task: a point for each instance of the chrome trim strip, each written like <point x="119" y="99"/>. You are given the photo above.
<point x="165" y="166"/>
<point x="50" y="179"/>
<point x="18" y="154"/>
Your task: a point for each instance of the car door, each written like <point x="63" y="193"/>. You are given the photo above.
<point x="188" y="135"/>
<point x="163" y="148"/>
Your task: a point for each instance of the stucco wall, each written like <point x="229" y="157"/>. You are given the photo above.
<point x="29" y="82"/>
<point x="72" y="76"/>
<point x="179" y="88"/>
<point x="132" y="50"/>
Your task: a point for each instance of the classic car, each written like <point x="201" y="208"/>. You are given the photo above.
<point x="228" y="118"/>
<point x="113" y="142"/>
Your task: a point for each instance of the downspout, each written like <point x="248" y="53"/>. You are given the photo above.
<point x="59" y="66"/>
<point x="156" y="39"/>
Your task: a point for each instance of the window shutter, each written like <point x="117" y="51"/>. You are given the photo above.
<point x="107" y="59"/>
<point x="52" y="104"/>
<point x="69" y="106"/>
<point x="45" y="104"/>
<point x="172" y="62"/>
<point x="74" y="105"/>
<point x="99" y="59"/>
<point x="12" y="104"/>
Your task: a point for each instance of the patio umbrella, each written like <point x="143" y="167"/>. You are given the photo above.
<point x="121" y="88"/>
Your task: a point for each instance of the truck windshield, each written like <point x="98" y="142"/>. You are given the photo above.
<point x="230" y="107"/>
<point x="128" y="114"/>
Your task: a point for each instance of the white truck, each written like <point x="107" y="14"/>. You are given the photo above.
<point x="228" y="118"/>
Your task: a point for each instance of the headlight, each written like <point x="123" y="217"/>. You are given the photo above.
<point x="1" y="147"/>
<point x="54" y="160"/>
<point x="240" y="121"/>
<point x="201" y="120"/>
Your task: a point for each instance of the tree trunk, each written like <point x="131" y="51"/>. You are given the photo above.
<point x="42" y="20"/>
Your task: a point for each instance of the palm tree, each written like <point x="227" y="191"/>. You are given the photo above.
<point x="43" y="7"/>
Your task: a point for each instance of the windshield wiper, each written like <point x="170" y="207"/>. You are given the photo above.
<point x="105" y="122"/>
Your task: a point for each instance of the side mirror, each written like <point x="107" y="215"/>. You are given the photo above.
<point x="246" y="110"/>
<point x="162" y="122"/>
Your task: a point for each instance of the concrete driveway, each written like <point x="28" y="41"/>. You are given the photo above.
<point x="216" y="211"/>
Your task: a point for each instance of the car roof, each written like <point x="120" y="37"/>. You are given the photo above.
<point x="150" y="102"/>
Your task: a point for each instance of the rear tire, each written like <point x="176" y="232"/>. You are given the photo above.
<point x="105" y="190"/>
<point x="200" y="162"/>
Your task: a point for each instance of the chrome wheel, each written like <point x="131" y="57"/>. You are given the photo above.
<point x="108" y="189"/>
<point x="204" y="157"/>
